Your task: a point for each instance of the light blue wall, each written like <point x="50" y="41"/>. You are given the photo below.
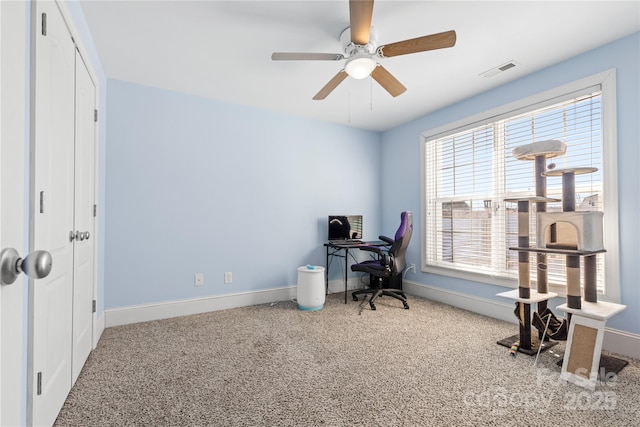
<point x="200" y="186"/>
<point x="401" y="151"/>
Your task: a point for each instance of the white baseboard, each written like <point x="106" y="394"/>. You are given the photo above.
<point x="486" y="307"/>
<point x="337" y="286"/>
<point x="621" y="342"/>
<point x="166" y="310"/>
<point x="98" y="329"/>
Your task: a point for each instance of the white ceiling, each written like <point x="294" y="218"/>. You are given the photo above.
<point x="222" y="49"/>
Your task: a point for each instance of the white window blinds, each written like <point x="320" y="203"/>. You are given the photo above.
<point x="470" y="172"/>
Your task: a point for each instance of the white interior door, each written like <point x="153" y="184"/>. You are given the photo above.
<point x="83" y="248"/>
<point x="13" y="72"/>
<point x="50" y="351"/>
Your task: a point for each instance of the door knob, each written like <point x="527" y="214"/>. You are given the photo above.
<point x="78" y="235"/>
<point x="35" y="265"/>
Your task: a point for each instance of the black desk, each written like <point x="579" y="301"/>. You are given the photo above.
<point x="341" y="250"/>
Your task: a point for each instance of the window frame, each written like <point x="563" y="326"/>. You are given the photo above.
<point x="606" y="83"/>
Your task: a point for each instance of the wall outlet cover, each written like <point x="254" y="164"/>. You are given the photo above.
<point x="199" y="279"/>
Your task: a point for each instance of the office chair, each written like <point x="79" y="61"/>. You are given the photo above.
<point x="390" y="263"/>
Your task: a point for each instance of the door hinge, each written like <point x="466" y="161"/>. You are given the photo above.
<point x="95" y="115"/>
<point x="44" y="24"/>
<point x="95" y="211"/>
<point x="42" y="202"/>
<point x="93" y="306"/>
<point x="39" y="384"/>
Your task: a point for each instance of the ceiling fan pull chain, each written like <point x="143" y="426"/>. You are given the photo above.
<point x="370" y="93"/>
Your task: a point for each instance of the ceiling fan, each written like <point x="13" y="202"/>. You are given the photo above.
<point x="361" y="50"/>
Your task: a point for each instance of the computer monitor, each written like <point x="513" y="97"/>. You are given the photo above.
<point x="343" y="227"/>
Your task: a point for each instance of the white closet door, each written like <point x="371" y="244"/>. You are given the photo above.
<point x="13" y="72"/>
<point x="52" y="203"/>
<point x="84" y="221"/>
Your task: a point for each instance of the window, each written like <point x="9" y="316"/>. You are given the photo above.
<point x="469" y="171"/>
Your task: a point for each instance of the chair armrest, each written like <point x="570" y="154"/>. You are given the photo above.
<point x="389" y="240"/>
<point x="375" y="249"/>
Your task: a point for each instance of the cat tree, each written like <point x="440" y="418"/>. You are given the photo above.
<point x="574" y="235"/>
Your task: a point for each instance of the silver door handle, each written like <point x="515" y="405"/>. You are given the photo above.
<point x="78" y="235"/>
<point x="35" y="265"/>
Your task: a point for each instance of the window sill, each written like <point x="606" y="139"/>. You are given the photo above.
<point x="507" y="282"/>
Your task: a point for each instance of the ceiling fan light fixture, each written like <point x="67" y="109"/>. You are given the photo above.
<point x="360" y="67"/>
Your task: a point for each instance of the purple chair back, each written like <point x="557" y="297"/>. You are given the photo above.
<point x="401" y="243"/>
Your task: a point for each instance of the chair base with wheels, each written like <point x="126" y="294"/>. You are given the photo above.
<point x="379" y="291"/>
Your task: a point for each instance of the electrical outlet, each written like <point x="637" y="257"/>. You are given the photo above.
<point x="199" y="280"/>
<point x="228" y="277"/>
<point x="412" y="267"/>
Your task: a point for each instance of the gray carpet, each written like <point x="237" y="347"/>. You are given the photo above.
<point x="342" y="366"/>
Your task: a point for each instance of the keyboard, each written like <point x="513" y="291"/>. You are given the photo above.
<point x="345" y="242"/>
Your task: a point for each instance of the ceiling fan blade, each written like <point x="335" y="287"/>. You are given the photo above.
<point x="387" y="81"/>
<point x="419" y="44"/>
<point x="329" y="87"/>
<point x="360" y="13"/>
<point x="297" y="56"/>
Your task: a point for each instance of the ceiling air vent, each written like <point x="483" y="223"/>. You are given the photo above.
<point x="500" y="68"/>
